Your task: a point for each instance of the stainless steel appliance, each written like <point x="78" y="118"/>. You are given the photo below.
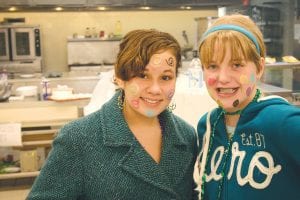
<point x="20" y="48"/>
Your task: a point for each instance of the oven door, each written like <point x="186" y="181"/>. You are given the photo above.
<point x="23" y="43"/>
<point x="4" y="45"/>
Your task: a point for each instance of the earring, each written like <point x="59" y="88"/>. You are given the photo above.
<point x="121" y="100"/>
<point x="171" y="106"/>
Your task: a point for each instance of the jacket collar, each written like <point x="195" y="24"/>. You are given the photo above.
<point x="117" y="133"/>
<point x="136" y="161"/>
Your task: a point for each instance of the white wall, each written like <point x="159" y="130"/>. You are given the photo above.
<point x="57" y="26"/>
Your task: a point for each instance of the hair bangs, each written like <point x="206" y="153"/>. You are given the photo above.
<point x="240" y="46"/>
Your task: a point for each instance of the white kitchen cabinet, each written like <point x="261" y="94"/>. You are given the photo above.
<point x="92" y="52"/>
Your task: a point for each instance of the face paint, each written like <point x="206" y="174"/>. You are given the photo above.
<point x="244" y="79"/>
<point x="170" y="94"/>
<point x="211" y="81"/>
<point x="252" y="78"/>
<point x="156" y="60"/>
<point x="133" y="89"/>
<point x="170" y="61"/>
<point x="150" y="113"/>
<point x="135" y="103"/>
<point x="236" y="103"/>
<point x="248" y="91"/>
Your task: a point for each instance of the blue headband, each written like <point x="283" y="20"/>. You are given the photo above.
<point x="234" y="28"/>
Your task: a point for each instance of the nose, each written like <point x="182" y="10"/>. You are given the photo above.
<point x="154" y="87"/>
<point x="224" y="75"/>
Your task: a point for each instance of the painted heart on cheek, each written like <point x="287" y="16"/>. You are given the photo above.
<point x="135" y="103"/>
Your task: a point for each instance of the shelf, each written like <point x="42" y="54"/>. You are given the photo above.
<point x="93" y="39"/>
<point x="19" y="175"/>
<point x="283" y="65"/>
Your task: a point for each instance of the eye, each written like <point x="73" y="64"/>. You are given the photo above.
<point x="142" y="75"/>
<point x="211" y="66"/>
<point x="237" y="65"/>
<point x="166" y="77"/>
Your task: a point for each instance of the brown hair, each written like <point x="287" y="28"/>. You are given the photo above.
<point x="137" y="47"/>
<point x="241" y="46"/>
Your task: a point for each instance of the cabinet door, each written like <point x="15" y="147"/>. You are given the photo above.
<point x="15" y="2"/>
<point x="197" y="3"/>
<point x="59" y="2"/>
<point x="116" y="2"/>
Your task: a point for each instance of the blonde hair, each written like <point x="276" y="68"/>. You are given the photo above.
<point x="242" y="47"/>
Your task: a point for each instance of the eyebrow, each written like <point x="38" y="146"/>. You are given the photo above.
<point x="166" y="70"/>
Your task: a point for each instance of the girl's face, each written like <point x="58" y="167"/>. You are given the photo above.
<point x="232" y="84"/>
<point x="151" y="92"/>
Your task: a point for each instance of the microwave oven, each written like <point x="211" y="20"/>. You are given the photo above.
<point x="20" y="48"/>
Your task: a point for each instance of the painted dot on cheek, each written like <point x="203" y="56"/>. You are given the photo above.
<point x="236" y="103"/>
<point x="244" y="79"/>
<point x="248" y="91"/>
<point x="211" y="81"/>
<point x="252" y="78"/>
<point x="133" y="89"/>
<point x="150" y="113"/>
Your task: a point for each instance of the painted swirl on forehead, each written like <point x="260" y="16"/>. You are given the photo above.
<point x="170" y="61"/>
<point x="150" y="113"/>
<point x="170" y="94"/>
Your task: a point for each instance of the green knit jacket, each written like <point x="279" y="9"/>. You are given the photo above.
<point x="98" y="157"/>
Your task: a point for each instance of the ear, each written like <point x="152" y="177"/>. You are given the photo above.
<point x="119" y="82"/>
<point x="261" y="68"/>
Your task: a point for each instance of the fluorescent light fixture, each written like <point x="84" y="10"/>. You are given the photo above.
<point x="12" y="9"/>
<point x="58" y="8"/>
<point x="101" y="8"/>
<point x="145" y="8"/>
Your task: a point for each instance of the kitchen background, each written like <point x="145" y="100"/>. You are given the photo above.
<point x="185" y="19"/>
<point x="56" y="27"/>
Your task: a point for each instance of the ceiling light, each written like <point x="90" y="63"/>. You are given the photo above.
<point x="58" y="8"/>
<point x="145" y="8"/>
<point x="12" y="9"/>
<point x="101" y="8"/>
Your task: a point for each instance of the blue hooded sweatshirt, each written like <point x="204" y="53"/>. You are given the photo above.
<point x="263" y="161"/>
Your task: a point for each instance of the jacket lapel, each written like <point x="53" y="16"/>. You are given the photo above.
<point x="136" y="161"/>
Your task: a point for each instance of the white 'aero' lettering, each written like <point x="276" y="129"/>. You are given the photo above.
<point x="269" y="170"/>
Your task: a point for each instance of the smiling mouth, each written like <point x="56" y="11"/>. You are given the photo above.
<point x="151" y="101"/>
<point x="226" y="90"/>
